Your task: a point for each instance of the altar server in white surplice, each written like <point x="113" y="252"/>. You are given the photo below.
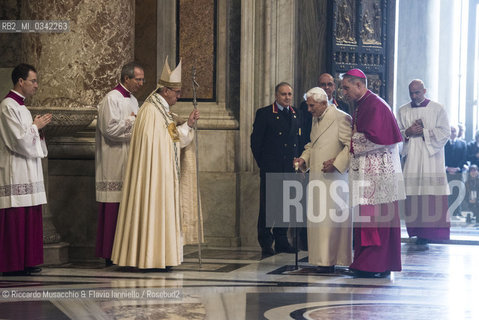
<point x="116" y="117"/>
<point x="149" y="232"/>
<point x="22" y="191"/>
<point x="425" y="128"/>
<point x="327" y="155"/>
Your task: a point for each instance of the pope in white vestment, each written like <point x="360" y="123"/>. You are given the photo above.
<point x="149" y="227"/>
<point x="329" y="238"/>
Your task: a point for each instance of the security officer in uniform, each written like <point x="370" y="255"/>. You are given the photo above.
<point x="274" y="143"/>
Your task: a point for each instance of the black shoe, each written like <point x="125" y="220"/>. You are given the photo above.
<point x="16" y="273"/>
<point x="322" y="269"/>
<point x="384" y="274"/>
<point x="368" y="274"/>
<point x="421" y="241"/>
<point x="166" y="269"/>
<point x="286" y="249"/>
<point x="108" y="263"/>
<point x="349" y="272"/>
<point x="266" y="253"/>
<point x="33" y="269"/>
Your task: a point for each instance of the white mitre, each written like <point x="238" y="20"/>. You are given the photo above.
<point x="168" y="78"/>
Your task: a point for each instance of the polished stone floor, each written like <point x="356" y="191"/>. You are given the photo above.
<point x="438" y="282"/>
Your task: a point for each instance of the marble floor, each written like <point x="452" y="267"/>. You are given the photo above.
<point x="441" y="282"/>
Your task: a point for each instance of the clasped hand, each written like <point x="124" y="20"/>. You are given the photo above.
<point x="328" y="166"/>
<point x="416" y="129"/>
<point x="42" y="121"/>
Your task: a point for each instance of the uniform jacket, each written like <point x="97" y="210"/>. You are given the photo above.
<point x="275" y="139"/>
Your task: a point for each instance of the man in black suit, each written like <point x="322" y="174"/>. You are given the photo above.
<point x="325" y="82"/>
<point x="274" y="143"/>
<point x="455" y="152"/>
<point x="473" y="150"/>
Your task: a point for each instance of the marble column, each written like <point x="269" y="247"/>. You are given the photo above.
<point x="75" y="69"/>
<point x="267" y="57"/>
<point x="218" y="127"/>
<point x="421" y="37"/>
<point x="428" y="49"/>
<point x="268" y="45"/>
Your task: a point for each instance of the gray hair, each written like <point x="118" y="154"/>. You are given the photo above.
<point x="317" y="94"/>
<point x="281" y="84"/>
<point x="128" y="70"/>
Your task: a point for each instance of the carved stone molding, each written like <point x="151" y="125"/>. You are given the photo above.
<point x="213" y="116"/>
<point x="65" y="120"/>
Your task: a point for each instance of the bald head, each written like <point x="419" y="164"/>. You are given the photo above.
<point x="326" y="82"/>
<point x="417" y="83"/>
<point x="417" y="91"/>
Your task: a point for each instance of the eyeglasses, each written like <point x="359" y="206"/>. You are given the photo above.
<point x="177" y="92"/>
<point x="140" y="80"/>
<point x="32" y="80"/>
<point x="328" y="84"/>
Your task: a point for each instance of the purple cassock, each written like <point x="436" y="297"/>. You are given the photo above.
<point x="107" y="216"/>
<point x="21" y="238"/>
<point x="374" y="118"/>
<point x="377" y="245"/>
<point x="433" y="226"/>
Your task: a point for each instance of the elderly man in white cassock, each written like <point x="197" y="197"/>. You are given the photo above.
<point x="22" y="191"/>
<point x="327" y="155"/>
<point x="149" y="232"/>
